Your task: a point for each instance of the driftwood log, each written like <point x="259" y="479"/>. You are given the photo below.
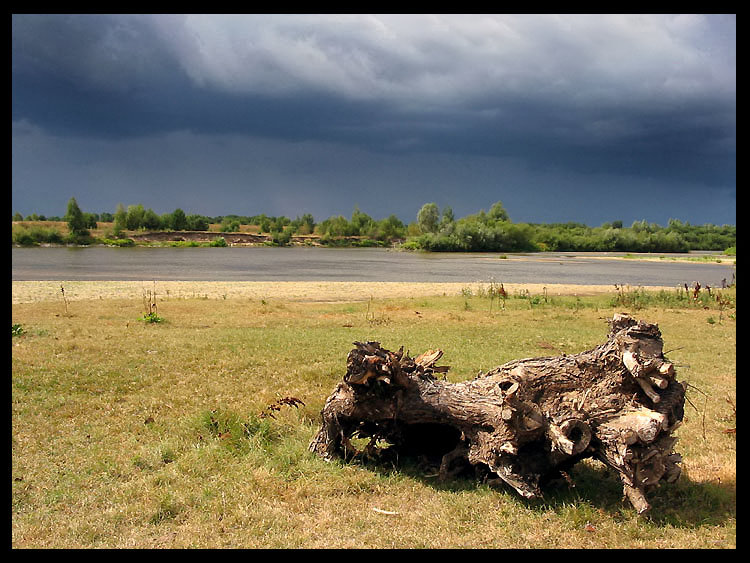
<point x="524" y="423"/>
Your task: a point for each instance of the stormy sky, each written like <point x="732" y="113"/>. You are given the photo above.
<point x="587" y="118"/>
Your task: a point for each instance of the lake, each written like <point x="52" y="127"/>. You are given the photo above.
<point x="349" y="264"/>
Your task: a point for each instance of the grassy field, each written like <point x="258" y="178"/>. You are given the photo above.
<point x="127" y="433"/>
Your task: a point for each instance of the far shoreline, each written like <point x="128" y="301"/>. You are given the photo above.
<point x="693" y="256"/>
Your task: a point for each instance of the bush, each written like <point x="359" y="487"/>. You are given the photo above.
<point x="230" y="225"/>
<point x="281" y="238"/>
<point x="123" y="242"/>
<point x="84" y="239"/>
<point x="30" y="236"/>
<point x="23" y="237"/>
<point x="219" y="241"/>
<point x="198" y="223"/>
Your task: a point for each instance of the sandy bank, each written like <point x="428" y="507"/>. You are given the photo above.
<point x="34" y="291"/>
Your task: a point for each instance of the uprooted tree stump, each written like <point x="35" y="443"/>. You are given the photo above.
<point x="524" y="423"/>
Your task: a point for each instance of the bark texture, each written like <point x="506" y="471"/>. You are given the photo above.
<point x="523" y="423"/>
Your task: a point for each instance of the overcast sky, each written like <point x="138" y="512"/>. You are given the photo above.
<point x="587" y="118"/>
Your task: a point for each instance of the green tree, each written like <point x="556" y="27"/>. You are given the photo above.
<point x="497" y="212"/>
<point x="278" y="223"/>
<point x="90" y="220"/>
<point x="361" y="222"/>
<point x="448" y="216"/>
<point x="199" y="223"/>
<point x="391" y="228"/>
<point x="428" y="218"/>
<point x="230" y="225"/>
<point x="304" y="225"/>
<point x="17" y="216"/>
<point x="337" y="226"/>
<point x="166" y="221"/>
<point x="76" y="220"/>
<point x="151" y="220"/>
<point x="264" y="224"/>
<point x="179" y="220"/>
<point x="447" y="221"/>
<point x="134" y="218"/>
<point x="120" y="219"/>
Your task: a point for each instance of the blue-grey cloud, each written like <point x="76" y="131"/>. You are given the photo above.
<point x="646" y="103"/>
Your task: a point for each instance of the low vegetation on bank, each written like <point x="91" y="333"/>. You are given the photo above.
<point x="433" y="230"/>
<point x="192" y="431"/>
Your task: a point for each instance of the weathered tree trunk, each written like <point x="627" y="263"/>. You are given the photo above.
<point x="525" y="422"/>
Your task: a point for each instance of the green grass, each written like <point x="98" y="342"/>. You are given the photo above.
<point x="133" y="434"/>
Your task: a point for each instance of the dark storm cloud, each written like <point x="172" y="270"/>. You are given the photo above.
<point x="628" y="99"/>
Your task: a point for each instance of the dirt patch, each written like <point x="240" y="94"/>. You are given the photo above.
<point x="199" y="236"/>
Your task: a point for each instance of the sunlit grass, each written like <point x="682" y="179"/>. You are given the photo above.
<point x="131" y="434"/>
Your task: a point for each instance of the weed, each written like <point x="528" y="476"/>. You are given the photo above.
<point x="696" y="297"/>
<point x="724" y="302"/>
<point x="276" y="406"/>
<point x="496" y="291"/>
<point x="167" y="455"/>
<point x="168" y="509"/>
<point x="149" y="304"/>
<point x="152" y="318"/>
<point x="141" y="463"/>
<point x="235" y="433"/>
<point x="373" y="319"/>
<point x="532" y="299"/>
<point x="65" y="299"/>
<point x="17" y="329"/>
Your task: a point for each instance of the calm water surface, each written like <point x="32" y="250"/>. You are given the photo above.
<point x="365" y="264"/>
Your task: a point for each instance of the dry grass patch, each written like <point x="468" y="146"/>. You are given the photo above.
<point x="132" y="434"/>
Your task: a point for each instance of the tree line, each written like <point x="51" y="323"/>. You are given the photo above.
<point x="432" y="230"/>
<point x="494" y="231"/>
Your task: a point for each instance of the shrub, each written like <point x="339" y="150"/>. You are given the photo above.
<point x="230" y="225"/>
<point x="30" y="236"/>
<point x="199" y="223"/>
<point x="123" y="242"/>
<point x="152" y="317"/>
<point x="21" y="235"/>
<point x="281" y="238"/>
<point x="79" y="238"/>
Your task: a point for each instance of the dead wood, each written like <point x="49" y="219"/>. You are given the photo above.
<point x="523" y="423"/>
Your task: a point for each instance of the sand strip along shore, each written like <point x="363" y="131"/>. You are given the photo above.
<point x="36" y="291"/>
